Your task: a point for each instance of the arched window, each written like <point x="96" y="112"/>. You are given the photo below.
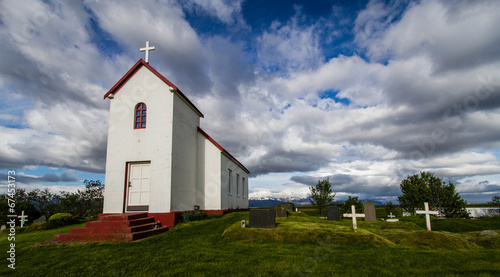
<point x="140" y="116"/>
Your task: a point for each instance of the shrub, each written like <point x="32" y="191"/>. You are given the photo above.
<point x="61" y="217"/>
<point x="58" y="220"/>
<point x="197" y="215"/>
<point x="193" y="216"/>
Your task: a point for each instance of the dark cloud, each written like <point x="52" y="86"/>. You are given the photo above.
<point x="423" y="89"/>
<point x="67" y="176"/>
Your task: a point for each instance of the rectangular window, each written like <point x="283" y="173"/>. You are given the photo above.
<point x="243" y="187"/>
<point x="237" y="184"/>
<point x="229" y="181"/>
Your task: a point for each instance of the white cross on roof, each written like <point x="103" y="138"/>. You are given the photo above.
<point x="147" y="49"/>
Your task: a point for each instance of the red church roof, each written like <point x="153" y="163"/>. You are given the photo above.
<point x="134" y="69"/>
<point x="223" y="150"/>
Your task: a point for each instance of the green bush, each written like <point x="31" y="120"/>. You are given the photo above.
<point x="197" y="215"/>
<point x="193" y="216"/>
<point x="58" y="220"/>
<point x="61" y="217"/>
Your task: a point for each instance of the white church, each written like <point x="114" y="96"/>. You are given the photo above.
<point x="159" y="160"/>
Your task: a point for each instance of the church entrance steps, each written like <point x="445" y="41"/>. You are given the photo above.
<point x="117" y="227"/>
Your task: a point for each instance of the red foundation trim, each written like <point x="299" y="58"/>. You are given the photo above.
<point x="167" y="219"/>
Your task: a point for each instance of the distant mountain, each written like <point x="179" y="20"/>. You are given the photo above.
<point x="273" y="201"/>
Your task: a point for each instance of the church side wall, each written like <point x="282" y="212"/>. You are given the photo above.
<point x="153" y="144"/>
<point x="184" y="156"/>
<point x="237" y="199"/>
<point x="209" y="179"/>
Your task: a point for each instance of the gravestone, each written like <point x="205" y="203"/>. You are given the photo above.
<point x="288" y="207"/>
<point x="332" y="213"/>
<point x="3" y="227"/>
<point x="391" y="218"/>
<point x="369" y="210"/>
<point x="281" y="211"/>
<point x="262" y="218"/>
<point x="40" y="219"/>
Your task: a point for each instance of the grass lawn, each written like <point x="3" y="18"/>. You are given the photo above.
<point x="300" y="245"/>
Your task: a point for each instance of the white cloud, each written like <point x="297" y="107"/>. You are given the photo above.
<point x="289" y="46"/>
<point x="423" y="89"/>
<point x="227" y="11"/>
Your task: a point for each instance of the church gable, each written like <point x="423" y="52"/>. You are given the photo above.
<point x="141" y="63"/>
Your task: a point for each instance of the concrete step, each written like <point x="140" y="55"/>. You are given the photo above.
<point x="116" y="227"/>
<point x="68" y="237"/>
<point x="121" y="217"/>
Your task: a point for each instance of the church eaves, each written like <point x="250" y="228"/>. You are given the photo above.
<point x="136" y="67"/>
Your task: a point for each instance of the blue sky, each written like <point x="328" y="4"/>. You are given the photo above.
<point x="362" y="92"/>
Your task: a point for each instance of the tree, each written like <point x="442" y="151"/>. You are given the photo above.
<point x="428" y="188"/>
<point x="93" y="197"/>
<point x="87" y="202"/>
<point x="44" y="201"/>
<point x="346" y="207"/>
<point x="23" y="203"/>
<point x="495" y="200"/>
<point x="322" y="195"/>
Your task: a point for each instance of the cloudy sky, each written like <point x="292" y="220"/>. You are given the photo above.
<point x="364" y="93"/>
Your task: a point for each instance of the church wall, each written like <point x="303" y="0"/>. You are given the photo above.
<point x="184" y="155"/>
<point x="126" y="144"/>
<point x="233" y="200"/>
<point x="209" y="178"/>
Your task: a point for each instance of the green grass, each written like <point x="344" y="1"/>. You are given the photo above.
<point x="300" y="245"/>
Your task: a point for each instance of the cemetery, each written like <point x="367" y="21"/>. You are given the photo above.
<point x="299" y="243"/>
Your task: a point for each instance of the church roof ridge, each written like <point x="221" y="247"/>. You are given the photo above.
<point x="136" y="67"/>
<point x="224" y="151"/>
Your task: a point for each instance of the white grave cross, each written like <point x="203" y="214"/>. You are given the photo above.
<point x="427" y="215"/>
<point x="391" y="215"/>
<point x="354" y="215"/>
<point x="147" y="49"/>
<point x="22" y="218"/>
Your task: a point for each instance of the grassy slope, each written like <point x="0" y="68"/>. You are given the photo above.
<point x="300" y="245"/>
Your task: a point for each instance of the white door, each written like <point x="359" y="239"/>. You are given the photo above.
<point x="138" y="186"/>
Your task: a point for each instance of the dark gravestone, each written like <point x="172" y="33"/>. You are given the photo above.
<point x="369" y="211"/>
<point x="262" y="218"/>
<point x="288" y="207"/>
<point x="332" y="213"/>
<point x="281" y="211"/>
<point x="40" y="219"/>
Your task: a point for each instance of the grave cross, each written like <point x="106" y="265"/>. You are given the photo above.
<point x="391" y="216"/>
<point x="354" y="215"/>
<point x="427" y="215"/>
<point x="22" y="218"/>
<point x="147" y="49"/>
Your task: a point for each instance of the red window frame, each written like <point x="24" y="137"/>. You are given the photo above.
<point x="140" y="116"/>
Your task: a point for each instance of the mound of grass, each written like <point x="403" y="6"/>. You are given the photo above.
<point x="299" y="246"/>
<point x="430" y="240"/>
<point x="456" y="225"/>
<point x="488" y="242"/>
<point x="304" y="229"/>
